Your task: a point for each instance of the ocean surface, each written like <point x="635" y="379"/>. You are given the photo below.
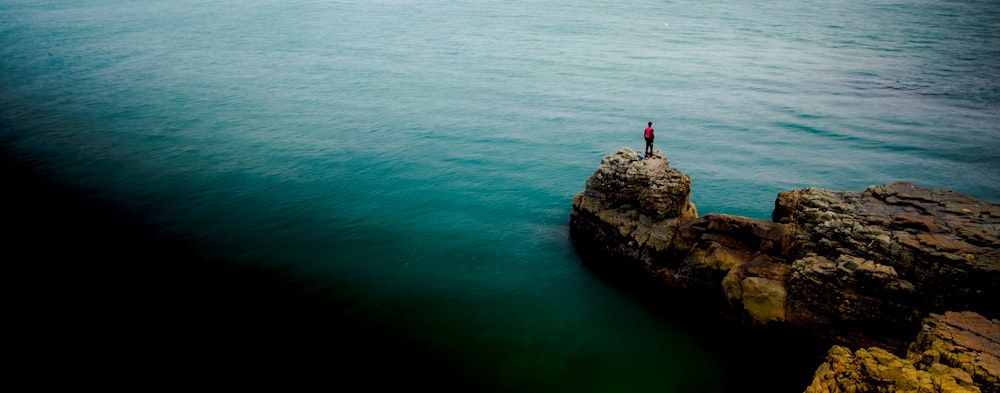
<point x="408" y="167"/>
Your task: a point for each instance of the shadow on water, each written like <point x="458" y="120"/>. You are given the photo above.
<point x="772" y="358"/>
<point x="99" y="298"/>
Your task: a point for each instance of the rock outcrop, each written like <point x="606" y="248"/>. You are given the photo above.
<point x="630" y="211"/>
<point x="954" y="352"/>
<point x="895" y="251"/>
<point x="862" y="268"/>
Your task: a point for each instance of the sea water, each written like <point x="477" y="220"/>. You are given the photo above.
<point x="417" y="159"/>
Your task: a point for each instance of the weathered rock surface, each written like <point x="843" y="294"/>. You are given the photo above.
<point x="837" y="261"/>
<point x="862" y="268"/>
<point x="743" y="255"/>
<point x="895" y="251"/>
<point x="954" y="352"/>
<point x="630" y="210"/>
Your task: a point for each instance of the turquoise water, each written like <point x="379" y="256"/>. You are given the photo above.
<point x="416" y="160"/>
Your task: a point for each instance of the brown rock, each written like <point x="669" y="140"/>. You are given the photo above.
<point x="758" y="289"/>
<point x="936" y="362"/>
<point x="940" y="245"/>
<point x="848" y="291"/>
<point x="863" y="268"/>
<point x="966" y="341"/>
<point x="629" y="213"/>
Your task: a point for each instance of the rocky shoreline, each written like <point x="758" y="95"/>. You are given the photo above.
<point x="867" y="270"/>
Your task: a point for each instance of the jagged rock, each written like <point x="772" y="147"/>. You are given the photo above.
<point x="758" y="286"/>
<point x="963" y="340"/>
<point x="862" y="268"/>
<point x="850" y="291"/>
<point x="630" y="211"/>
<point x="955" y="352"/>
<point x="836" y="261"/>
<point x="744" y="254"/>
<point x="890" y="254"/>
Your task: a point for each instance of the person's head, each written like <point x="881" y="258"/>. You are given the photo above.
<point x="650" y="124"/>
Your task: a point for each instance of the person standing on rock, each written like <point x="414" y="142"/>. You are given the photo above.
<point x="649" y="140"/>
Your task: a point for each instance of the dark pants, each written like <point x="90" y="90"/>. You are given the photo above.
<point x="649" y="146"/>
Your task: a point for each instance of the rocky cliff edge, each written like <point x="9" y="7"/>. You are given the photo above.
<point x="863" y="268"/>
